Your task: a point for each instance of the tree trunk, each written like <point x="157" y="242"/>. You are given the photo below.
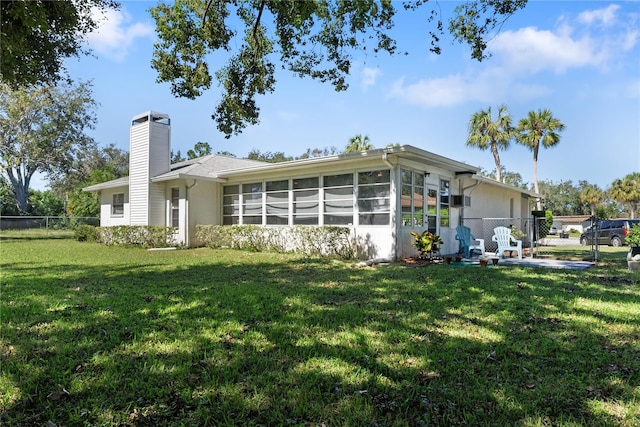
<point x="20" y="188"/>
<point x="535" y="176"/>
<point x="496" y="158"/>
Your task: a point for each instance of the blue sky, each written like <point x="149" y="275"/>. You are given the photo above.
<point x="580" y="59"/>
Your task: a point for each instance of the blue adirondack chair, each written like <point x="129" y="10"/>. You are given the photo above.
<point x="468" y="243"/>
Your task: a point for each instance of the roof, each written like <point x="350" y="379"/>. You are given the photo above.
<point x="120" y="182"/>
<point x="385" y="154"/>
<point x="205" y="167"/>
<point x="574" y="219"/>
<point x="217" y="167"/>
<point x="200" y="168"/>
<point x="491" y="181"/>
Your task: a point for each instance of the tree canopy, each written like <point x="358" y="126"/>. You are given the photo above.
<point x="627" y="192"/>
<point x="358" y="143"/>
<point x="486" y="133"/>
<point x="38" y="35"/>
<point x="538" y="128"/>
<point x="42" y="130"/>
<point x="309" y="38"/>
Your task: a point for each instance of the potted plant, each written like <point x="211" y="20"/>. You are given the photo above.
<point x="633" y="240"/>
<point x="427" y="243"/>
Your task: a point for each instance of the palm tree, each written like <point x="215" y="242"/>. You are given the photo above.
<point x="627" y="191"/>
<point x="539" y="127"/>
<point x="485" y="133"/>
<point x="358" y="143"/>
<point x="592" y="195"/>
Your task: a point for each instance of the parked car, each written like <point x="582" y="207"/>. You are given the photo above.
<point x="553" y="230"/>
<point x="610" y="232"/>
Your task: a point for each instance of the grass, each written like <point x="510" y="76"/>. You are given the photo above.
<point x="112" y="336"/>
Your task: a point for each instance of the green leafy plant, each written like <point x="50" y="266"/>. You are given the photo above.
<point x="87" y="233"/>
<point x="633" y="238"/>
<point x="516" y="232"/>
<point x="426" y="243"/>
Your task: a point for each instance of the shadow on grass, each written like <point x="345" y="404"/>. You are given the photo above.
<point x="252" y="341"/>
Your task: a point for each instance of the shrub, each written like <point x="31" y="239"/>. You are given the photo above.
<point x="633" y="238"/>
<point x="309" y="240"/>
<point x="86" y="233"/>
<point x="148" y="236"/>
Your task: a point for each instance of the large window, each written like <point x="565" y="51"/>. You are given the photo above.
<point x="412" y="198"/>
<point x="374" y="197"/>
<point x="252" y="203"/>
<point x="338" y="199"/>
<point x="175" y="207"/>
<point x="444" y="203"/>
<point x="302" y="201"/>
<point x="117" y="205"/>
<point x="231" y="205"/>
<point x="306" y="205"/>
<point x="277" y="202"/>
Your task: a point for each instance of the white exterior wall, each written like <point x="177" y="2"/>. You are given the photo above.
<point x="106" y="199"/>
<point x="204" y="206"/>
<point x="150" y="150"/>
<point x="490" y="201"/>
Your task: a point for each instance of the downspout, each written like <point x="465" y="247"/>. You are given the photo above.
<point x="462" y="190"/>
<point x="186" y="210"/>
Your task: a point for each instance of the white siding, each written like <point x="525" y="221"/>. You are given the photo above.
<point x="149" y="156"/>
<point x="106" y="199"/>
<point x="139" y="174"/>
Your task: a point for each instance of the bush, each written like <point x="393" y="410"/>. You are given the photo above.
<point x="148" y="236"/>
<point x="309" y="240"/>
<point x="633" y="238"/>
<point x="87" y="233"/>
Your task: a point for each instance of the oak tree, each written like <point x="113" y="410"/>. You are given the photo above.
<point x="309" y="38"/>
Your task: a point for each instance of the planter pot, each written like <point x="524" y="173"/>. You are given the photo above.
<point x="494" y="261"/>
<point x="633" y="258"/>
<point x="447" y="260"/>
<point x="484" y="262"/>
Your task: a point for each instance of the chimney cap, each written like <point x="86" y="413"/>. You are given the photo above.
<point x="151" y="115"/>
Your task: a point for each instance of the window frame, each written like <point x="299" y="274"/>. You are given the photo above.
<point x="174" y="207"/>
<point x="371" y="217"/>
<point x="410" y="189"/>
<point x="338" y="209"/>
<point x="117" y="213"/>
<point x="444" y="203"/>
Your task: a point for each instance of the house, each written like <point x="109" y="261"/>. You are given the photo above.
<point x="572" y="222"/>
<point x="381" y="194"/>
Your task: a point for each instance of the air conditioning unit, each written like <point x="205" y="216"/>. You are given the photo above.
<point x="460" y="201"/>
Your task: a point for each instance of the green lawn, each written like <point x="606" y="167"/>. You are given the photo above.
<point x="112" y="336"/>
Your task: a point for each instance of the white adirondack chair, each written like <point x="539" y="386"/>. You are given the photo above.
<point x="502" y="236"/>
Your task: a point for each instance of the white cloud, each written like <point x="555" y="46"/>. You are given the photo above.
<point x="369" y="77"/>
<point x="606" y="16"/>
<point x="115" y="34"/>
<point x="485" y="87"/>
<point x="522" y="56"/>
<point x="532" y="50"/>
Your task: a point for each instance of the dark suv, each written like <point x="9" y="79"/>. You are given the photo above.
<point x="610" y="232"/>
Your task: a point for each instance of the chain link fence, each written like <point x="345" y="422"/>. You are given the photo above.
<point x="539" y="239"/>
<point x="45" y="223"/>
